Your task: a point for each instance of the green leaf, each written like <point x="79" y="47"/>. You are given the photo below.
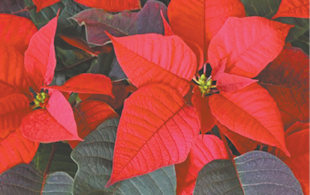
<point x="94" y="158"/>
<point x="59" y="183"/>
<point x="264" y="8"/>
<point x="24" y="179"/>
<point x="299" y="34"/>
<point x="60" y="162"/>
<point x="259" y="173"/>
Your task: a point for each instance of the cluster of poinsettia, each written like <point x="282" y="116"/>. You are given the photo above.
<point x="206" y="70"/>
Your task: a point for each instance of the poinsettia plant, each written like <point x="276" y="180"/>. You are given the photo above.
<point x="154" y="97"/>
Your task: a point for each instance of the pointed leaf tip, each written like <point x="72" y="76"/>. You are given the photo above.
<point x="40" y="57"/>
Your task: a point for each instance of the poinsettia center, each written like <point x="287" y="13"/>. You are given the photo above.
<point x="206" y="84"/>
<point x="40" y="99"/>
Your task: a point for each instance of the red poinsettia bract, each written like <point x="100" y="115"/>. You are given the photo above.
<point x="108" y="5"/>
<point x="31" y="111"/>
<point x="157" y="127"/>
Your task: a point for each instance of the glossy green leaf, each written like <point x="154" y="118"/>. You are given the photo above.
<point x="94" y="159"/>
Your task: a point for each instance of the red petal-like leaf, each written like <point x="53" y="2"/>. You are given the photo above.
<point x="87" y="83"/>
<point x="54" y="124"/>
<point x="293" y="8"/>
<point x="156" y="129"/>
<point x="40" y="4"/>
<point x="241" y="143"/>
<point x="297" y="144"/>
<point x="16" y="31"/>
<point x="112" y="5"/>
<point x="205" y="149"/>
<point x="287" y="80"/>
<point x="40" y="126"/>
<point x="13" y="106"/>
<point x="229" y="82"/>
<point x="206" y="22"/>
<point x="59" y="108"/>
<point x="250" y="112"/>
<point x="16" y="149"/>
<point x="156" y="58"/>
<point x="12" y="71"/>
<point x="248" y="44"/>
<point x="88" y="115"/>
<point x="40" y="60"/>
<point x="201" y="103"/>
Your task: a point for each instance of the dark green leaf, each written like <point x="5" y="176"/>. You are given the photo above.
<point x="24" y="179"/>
<point x="58" y="183"/>
<point x="264" y="8"/>
<point x="21" y="180"/>
<point x="61" y="160"/>
<point x="259" y="173"/>
<point x="94" y="158"/>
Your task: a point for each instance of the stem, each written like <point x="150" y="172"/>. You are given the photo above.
<point x="48" y="166"/>
<point x="230" y="156"/>
<point x="24" y="10"/>
<point x="226" y="145"/>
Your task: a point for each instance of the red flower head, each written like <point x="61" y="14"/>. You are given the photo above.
<point x="32" y="111"/>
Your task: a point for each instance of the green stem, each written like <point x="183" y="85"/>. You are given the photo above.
<point x="48" y="166"/>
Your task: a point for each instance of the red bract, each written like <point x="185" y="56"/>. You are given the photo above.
<point x="157" y="127"/>
<point x="108" y="5"/>
<point x="29" y="109"/>
<point x="205" y="149"/>
<point x="88" y="115"/>
<point x="197" y="21"/>
<point x="163" y="69"/>
<point x="297" y="140"/>
<point x="293" y="8"/>
<point x="287" y="81"/>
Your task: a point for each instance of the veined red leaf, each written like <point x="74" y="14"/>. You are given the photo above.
<point x="156" y="58"/>
<point x="16" y="149"/>
<point x="40" y="4"/>
<point x="16" y="31"/>
<point x="293" y="8"/>
<point x="88" y="115"/>
<point x="201" y="103"/>
<point x="13" y="106"/>
<point x="249" y="44"/>
<point x="297" y="141"/>
<point x="242" y="144"/>
<point x="40" y="126"/>
<point x="287" y="80"/>
<point x="155" y="115"/>
<point x="40" y="59"/>
<point x="206" y="22"/>
<point x="12" y="71"/>
<point x="60" y="109"/>
<point x="205" y="149"/>
<point x="55" y="123"/>
<point x="87" y="83"/>
<point x="252" y="113"/>
<point x="229" y="82"/>
<point x="112" y="5"/>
